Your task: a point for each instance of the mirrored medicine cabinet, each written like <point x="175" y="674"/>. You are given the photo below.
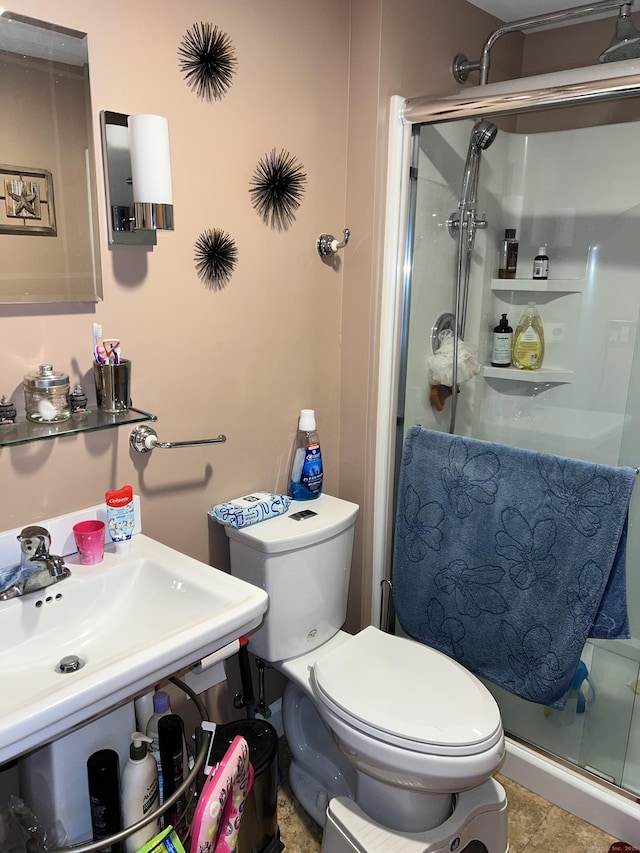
<point x="49" y="239"/>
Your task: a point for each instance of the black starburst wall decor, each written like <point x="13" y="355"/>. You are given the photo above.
<point x="277" y="188"/>
<point x="216" y="256"/>
<point x="208" y="61"/>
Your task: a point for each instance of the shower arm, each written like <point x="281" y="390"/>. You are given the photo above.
<point x="462" y="66"/>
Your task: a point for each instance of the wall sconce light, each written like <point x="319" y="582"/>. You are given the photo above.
<point x="137" y="176"/>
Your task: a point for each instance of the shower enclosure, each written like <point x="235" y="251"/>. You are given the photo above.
<point x="563" y="177"/>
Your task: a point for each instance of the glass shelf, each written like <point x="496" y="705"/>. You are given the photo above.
<point x="24" y="431"/>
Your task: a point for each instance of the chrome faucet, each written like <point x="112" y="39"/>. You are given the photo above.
<point x="38" y="568"/>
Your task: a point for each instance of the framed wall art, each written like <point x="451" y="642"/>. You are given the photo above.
<point x="27" y="205"/>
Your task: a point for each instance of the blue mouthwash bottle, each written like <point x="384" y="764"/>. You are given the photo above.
<point x="305" y="482"/>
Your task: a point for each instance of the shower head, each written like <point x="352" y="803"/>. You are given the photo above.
<point x="625" y="43"/>
<point x="482" y="135"/>
<point x="484" y="132"/>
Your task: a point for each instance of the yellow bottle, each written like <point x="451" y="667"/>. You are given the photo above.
<point x="528" y="340"/>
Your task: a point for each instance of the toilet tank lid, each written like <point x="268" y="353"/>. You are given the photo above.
<point x="305" y="523"/>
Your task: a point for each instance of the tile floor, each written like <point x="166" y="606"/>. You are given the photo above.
<point x="535" y="825"/>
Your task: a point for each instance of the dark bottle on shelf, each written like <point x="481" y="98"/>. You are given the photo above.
<point x="541" y="264"/>
<point x="508" y="255"/>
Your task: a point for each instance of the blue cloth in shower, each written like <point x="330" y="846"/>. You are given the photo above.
<point x="508" y="559"/>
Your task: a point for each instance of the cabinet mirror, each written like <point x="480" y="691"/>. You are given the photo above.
<point x="49" y="239"/>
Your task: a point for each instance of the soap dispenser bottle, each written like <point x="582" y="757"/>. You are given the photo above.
<point x="528" y="340"/>
<point x="502" y="342"/>
<point x="139" y="792"/>
<point x="305" y="481"/>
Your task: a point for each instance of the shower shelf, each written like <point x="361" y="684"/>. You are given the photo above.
<point x="551" y="285"/>
<point x="543" y="375"/>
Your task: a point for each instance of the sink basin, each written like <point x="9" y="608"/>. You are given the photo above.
<point x="131" y="620"/>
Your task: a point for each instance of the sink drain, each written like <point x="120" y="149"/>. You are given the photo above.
<point x="69" y="663"/>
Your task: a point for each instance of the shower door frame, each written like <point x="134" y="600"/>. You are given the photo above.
<point x="617" y="813"/>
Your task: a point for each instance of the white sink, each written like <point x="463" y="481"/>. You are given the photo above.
<point x="131" y="620"/>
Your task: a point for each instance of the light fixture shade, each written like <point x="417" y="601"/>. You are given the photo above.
<point x="151" y="171"/>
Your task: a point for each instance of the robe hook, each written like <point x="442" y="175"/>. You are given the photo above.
<point x="328" y="245"/>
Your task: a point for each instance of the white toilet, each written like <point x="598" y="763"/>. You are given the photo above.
<point x="401" y="729"/>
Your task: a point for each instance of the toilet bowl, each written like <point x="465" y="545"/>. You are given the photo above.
<point x="413" y="742"/>
<point x="412" y="727"/>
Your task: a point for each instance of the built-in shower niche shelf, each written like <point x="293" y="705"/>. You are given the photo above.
<point x="543" y="375"/>
<point x="530" y="285"/>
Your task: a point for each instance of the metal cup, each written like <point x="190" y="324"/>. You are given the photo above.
<point x="113" y="386"/>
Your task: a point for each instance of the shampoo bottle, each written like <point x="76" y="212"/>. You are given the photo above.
<point x="161" y="708"/>
<point x="502" y="342"/>
<point x="104" y="797"/>
<point x="305" y="482"/>
<point x="528" y="340"/>
<point x="139" y="792"/>
<point x="508" y="255"/>
<point x="170" y="732"/>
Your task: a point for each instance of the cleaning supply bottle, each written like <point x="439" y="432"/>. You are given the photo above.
<point x="305" y="482"/>
<point x="541" y="264"/>
<point x="161" y="707"/>
<point x="508" y="255"/>
<point x="502" y="341"/>
<point x="170" y="732"/>
<point x="528" y="340"/>
<point x="139" y="792"/>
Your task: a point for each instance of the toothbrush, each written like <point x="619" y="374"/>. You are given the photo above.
<point x="98" y="349"/>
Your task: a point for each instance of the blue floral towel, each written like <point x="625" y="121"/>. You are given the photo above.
<point x="508" y="559"/>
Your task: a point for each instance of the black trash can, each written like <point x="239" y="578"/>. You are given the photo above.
<point x="259" y="831"/>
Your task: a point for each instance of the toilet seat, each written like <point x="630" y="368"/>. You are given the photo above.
<point x="407" y="694"/>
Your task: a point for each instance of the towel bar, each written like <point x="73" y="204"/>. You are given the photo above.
<point x="143" y="439"/>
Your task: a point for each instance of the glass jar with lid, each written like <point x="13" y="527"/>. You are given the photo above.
<point x="46" y="395"/>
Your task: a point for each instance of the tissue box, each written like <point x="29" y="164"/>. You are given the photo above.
<point x="241" y="512"/>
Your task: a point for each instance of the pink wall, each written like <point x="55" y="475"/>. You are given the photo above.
<point x="289" y="331"/>
<point x="244" y="360"/>
<point x="403" y="49"/>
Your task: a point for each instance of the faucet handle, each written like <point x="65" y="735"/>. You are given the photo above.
<point x="35" y="542"/>
<point x="57" y="568"/>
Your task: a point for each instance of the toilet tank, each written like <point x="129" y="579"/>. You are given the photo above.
<point x="303" y="561"/>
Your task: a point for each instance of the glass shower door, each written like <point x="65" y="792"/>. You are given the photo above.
<point x="584" y="402"/>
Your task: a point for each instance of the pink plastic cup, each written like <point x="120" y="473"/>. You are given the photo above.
<point x="89" y="537"/>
